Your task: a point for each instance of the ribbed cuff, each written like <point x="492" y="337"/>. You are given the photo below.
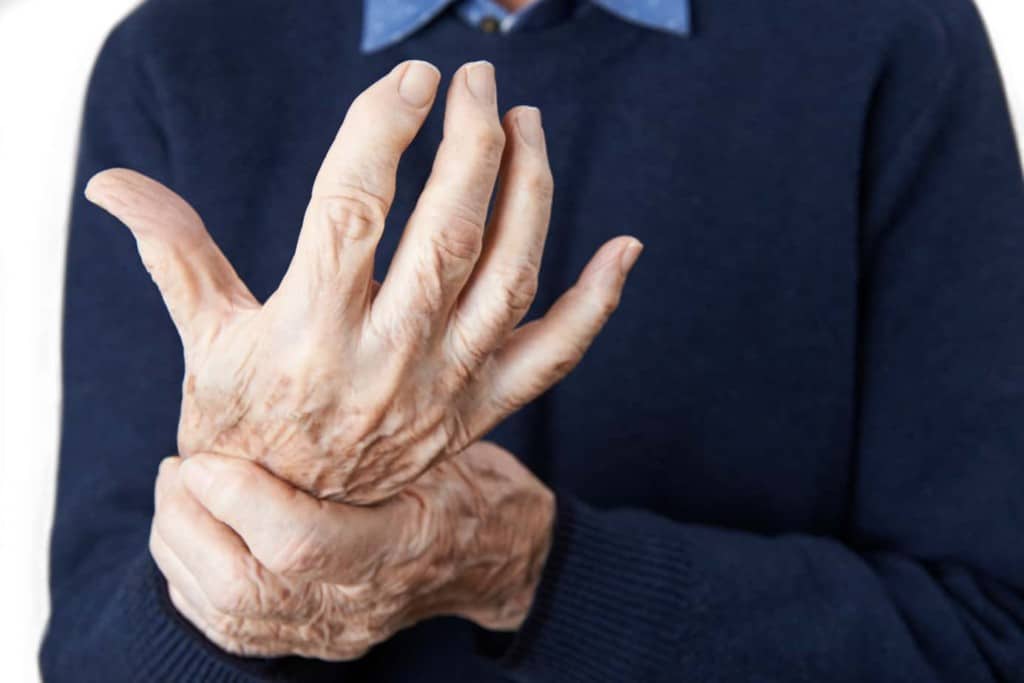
<point x="612" y="605"/>
<point x="159" y="644"/>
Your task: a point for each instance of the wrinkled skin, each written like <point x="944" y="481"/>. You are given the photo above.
<point x="347" y="388"/>
<point x="298" y="575"/>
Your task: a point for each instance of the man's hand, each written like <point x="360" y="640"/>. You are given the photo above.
<point x="348" y="392"/>
<point x="263" y="569"/>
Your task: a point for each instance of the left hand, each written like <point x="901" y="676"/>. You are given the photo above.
<point x="348" y="392"/>
<point x="264" y="569"/>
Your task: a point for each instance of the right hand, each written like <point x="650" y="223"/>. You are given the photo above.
<point x="263" y="569"/>
<point x="347" y="392"/>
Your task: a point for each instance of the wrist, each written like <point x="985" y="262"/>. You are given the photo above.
<point x="480" y="528"/>
<point x="502" y="591"/>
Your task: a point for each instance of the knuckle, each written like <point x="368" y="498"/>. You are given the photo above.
<point x="599" y="303"/>
<point x="353" y="644"/>
<point x="238" y="636"/>
<point x="606" y="305"/>
<point x="459" y="236"/>
<point x="488" y="143"/>
<point x="230" y="630"/>
<point x="352" y="213"/>
<point x="357" y="642"/>
<point x="234" y="592"/>
<point x="568" y="359"/>
<point x="518" y="283"/>
<point x="540" y="184"/>
<point x="408" y="330"/>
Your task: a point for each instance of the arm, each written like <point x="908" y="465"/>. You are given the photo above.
<point x="928" y="582"/>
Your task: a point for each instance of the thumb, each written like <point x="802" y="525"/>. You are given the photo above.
<point x="193" y="276"/>
<point x="290" y="532"/>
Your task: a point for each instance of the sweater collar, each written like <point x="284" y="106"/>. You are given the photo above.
<point x="386" y="22"/>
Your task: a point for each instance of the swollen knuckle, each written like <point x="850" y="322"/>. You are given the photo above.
<point x="517" y="299"/>
<point x="598" y="303"/>
<point x="518" y="283"/>
<point x="488" y="143"/>
<point x="540" y="184"/>
<point x="459" y="236"/>
<point x="568" y="359"/>
<point x="606" y="305"/>
<point x="354" y="214"/>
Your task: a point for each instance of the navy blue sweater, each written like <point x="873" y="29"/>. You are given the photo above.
<point x="795" y="454"/>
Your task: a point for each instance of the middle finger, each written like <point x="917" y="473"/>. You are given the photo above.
<point x="443" y="239"/>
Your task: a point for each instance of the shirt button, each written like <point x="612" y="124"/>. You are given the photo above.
<point x="489" y="25"/>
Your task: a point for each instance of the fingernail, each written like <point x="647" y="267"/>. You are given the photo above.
<point x="196" y="475"/>
<point x="480" y="78"/>
<point x="529" y="125"/>
<point x="629" y="256"/>
<point x="419" y="82"/>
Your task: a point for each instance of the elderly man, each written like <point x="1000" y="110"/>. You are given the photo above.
<point x="794" y="453"/>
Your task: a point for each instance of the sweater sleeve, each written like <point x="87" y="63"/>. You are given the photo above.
<point x="111" y="620"/>
<point x="926" y="582"/>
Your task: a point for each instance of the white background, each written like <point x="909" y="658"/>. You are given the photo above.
<point x="46" y="51"/>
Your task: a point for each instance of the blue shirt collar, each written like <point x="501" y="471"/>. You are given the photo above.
<point x="386" y="22"/>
